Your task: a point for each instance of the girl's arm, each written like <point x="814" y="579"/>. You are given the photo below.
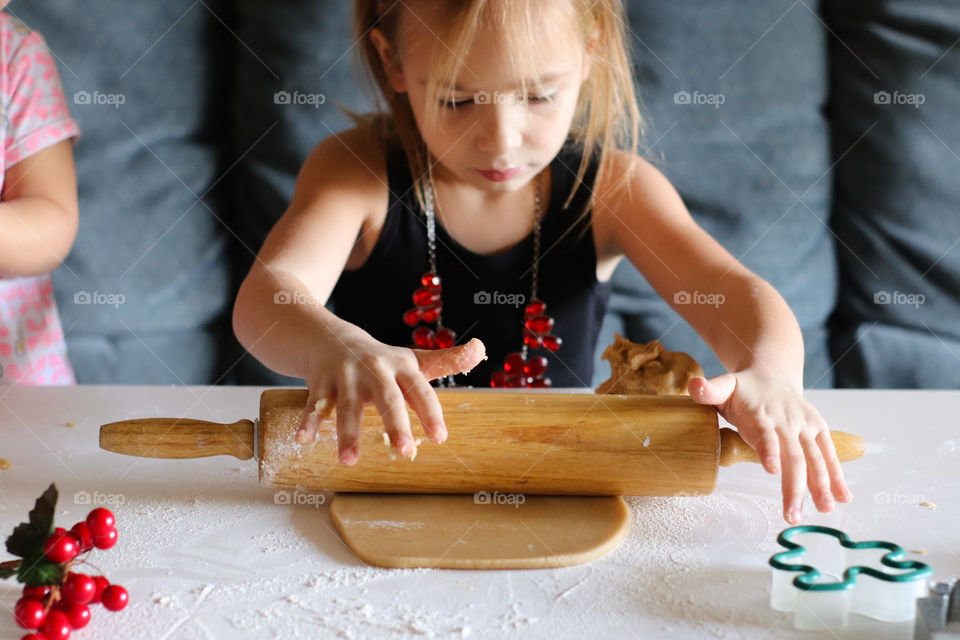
<point x="741" y="317"/>
<point x="38" y="212"/>
<point x="279" y="315"/>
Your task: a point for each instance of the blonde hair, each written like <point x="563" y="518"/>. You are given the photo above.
<point x="607" y="114"/>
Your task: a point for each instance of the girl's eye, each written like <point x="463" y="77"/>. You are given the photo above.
<point x="456" y="104"/>
<point x="540" y="99"/>
<point x="459" y="104"/>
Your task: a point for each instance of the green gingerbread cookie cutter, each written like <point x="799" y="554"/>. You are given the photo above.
<point x="820" y="604"/>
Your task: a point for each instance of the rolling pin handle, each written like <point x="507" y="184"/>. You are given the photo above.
<point x="178" y="438"/>
<point x="733" y="449"/>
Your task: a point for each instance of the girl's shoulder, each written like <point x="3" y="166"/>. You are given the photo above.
<point x="632" y="193"/>
<point x="14" y="33"/>
<point x="352" y="162"/>
<point x="627" y="179"/>
<point x="354" y="149"/>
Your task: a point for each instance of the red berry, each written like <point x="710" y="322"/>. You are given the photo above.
<point x="59" y="530"/>
<point x="33" y="636"/>
<point x="81" y="532"/>
<point x="77" y="614"/>
<point x="99" y="521"/>
<point x="115" y="597"/>
<point x="498" y="379"/>
<point x="29" y="613"/>
<point x="56" y="626"/>
<point x="61" y="547"/>
<point x="79" y="588"/>
<point x="38" y="592"/>
<point x="105" y="540"/>
<point x="101" y="583"/>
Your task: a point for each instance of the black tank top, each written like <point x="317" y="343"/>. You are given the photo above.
<point x="482" y="293"/>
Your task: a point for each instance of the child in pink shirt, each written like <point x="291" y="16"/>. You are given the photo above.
<point x="38" y="206"/>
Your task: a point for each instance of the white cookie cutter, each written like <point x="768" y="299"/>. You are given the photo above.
<point x="849" y="578"/>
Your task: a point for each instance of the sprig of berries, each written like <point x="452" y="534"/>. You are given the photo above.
<point x="56" y="599"/>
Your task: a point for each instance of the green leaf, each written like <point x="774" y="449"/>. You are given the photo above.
<point x="28" y="537"/>
<point x="37" y="569"/>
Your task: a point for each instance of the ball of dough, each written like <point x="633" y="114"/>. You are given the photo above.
<point x="647" y="369"/>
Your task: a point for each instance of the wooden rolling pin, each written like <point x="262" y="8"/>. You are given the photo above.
<point x="537" y="443"/>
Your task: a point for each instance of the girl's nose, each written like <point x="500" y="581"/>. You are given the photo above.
<point x="501" y="128"/>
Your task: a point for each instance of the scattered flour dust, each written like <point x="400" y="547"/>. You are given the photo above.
<point x="386" y="524"/>
<point x="286" y="581"/>
<point x="666" y="570"/>
<point x="671" y="568"/>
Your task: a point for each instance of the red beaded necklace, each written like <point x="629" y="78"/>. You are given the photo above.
<point x="518" y="370"/>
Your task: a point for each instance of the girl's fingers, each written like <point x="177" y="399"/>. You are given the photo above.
<point x="793" y="478"/>
<point x="308" y="424"/>
<point x="715" y="391"/>
<point x="447" y="362"/>
<point x="424" y="401"/>
<point x="838" y="484"/>
<point x="817" y="477"/>
<point x="767" y="447"/>
<point x="349" y="417"/>
<point x="318" y="408"/>
<point x="396" y="421"/>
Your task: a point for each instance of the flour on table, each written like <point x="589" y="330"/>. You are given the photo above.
<point x="949" y="446"/>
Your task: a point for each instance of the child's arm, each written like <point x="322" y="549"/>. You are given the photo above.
<point x="743" y="319"/>
<point x="38" y="212"/>
<point x="280" y="317"/>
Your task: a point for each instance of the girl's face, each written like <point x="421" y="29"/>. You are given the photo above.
<point x="488" y="134"/>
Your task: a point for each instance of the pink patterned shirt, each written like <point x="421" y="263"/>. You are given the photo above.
<point x="33" y="115"/>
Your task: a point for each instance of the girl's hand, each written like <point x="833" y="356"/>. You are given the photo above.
<point x="361" y="371"/>
<point x="785" y="430"/>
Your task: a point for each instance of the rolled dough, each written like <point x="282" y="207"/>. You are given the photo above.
<point x="498" y="531"/>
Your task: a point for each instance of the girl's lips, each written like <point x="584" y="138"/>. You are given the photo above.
<point x="500" y="176"/>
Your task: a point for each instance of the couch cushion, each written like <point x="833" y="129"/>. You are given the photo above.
<point x="143" y="82"/>
<point x="294" y="68"/>
<point x="734" y="98"/>
<point x="894" y="105"/>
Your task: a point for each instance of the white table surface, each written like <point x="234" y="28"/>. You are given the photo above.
<point x="206" y="553"/>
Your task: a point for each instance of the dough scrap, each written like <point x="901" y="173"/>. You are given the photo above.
<point x="5" y="464"/>
<point x="647" y="369"/>
<point x="481" y="531"/>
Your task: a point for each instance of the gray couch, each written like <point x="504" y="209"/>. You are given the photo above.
<point x="795" y="133"/>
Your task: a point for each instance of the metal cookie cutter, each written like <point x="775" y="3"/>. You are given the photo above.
<point x="823" y="597"/>
<point x="938" y="615"/>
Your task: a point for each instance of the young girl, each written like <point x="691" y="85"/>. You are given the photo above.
<point x="38" y="206"/>
<point x="494" y="192"/>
